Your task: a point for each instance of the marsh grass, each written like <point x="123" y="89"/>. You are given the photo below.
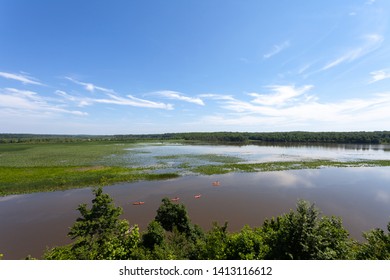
<point x="280" y="166"/>
<point x="203" y="157"/>
<point x="17" y="180"/>
<point x="69" y="154"/>
<point x="26" y="168"/>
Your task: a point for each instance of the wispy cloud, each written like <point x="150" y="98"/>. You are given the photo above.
<point x="179" y="96"/>
<point x="113" y="98"/>
<point x="304" y="68"/>
<point x="277" y="49"/>
<point x="379" y="75"/>
<point x="281" y="95"/>
<point x="28" y="102"/>
<point x="371" y="43"/>
<point x="89" y="86"/>
<point x="217" y="96"/>
<point x="133" y="101"/>
<point x="302" y="110"/>
<point x="21" y="78"/>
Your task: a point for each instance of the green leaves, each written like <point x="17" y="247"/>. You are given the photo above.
<point x="377" y="246"/>
<point x="99" y="233"/>
<point x="171" y="215"/>
<point x="304" y="235"/>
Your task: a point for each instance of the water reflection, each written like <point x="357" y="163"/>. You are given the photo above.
<point x="177" y="154"/>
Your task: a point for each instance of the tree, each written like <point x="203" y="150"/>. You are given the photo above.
<point x="215" y="245"/>
<point x="99" y="233"/>
<point x="248" y="244"/>
<point x="377" y="246"/>
<point x="155" y="235"/>
<point x="171" y="215"/>
<point x="304" y="235"/>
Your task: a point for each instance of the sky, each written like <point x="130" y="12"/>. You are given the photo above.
<point x="148" y="66"/>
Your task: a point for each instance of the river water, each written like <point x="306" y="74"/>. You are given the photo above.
<point x="361" y="196"/>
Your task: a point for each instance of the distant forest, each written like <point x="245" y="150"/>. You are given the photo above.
<point x="359" y="137"/>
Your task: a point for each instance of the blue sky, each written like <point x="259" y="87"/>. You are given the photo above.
<point x="143" y="66"/>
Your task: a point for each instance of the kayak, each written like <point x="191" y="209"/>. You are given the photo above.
<point x="138" y="203"/>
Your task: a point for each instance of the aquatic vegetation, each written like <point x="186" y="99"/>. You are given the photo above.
<point x="16" y="180"/>
<point x="204" y="157"/>
<point x="283" y="165"/>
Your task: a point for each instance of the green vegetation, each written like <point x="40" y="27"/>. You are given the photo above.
<point x="26" y="168"/>
<point x="59" y="154"/>
<point x="17" y="180"/>
<point x="358" y="137"/>
<point x="205" y="157"/>
<point x="283" y="165"/>
<point x="300" y="234"/>
<point x="98" y="234"/>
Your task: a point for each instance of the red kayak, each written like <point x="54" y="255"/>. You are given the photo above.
<point x="175" y="199"/>
<point x="138" y="203"/>
<point x="198" y="196"/>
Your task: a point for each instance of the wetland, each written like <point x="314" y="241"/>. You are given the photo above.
<point x="41" y="185"/>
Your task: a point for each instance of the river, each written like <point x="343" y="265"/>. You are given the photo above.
<point x="31" y="223"/>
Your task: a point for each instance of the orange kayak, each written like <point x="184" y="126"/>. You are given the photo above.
<point x="216" y="183"/>
<point x="138" y="203"/>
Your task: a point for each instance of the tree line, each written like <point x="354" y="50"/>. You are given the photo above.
<point x="358" y="137"/>
<point x="301" y="234"/>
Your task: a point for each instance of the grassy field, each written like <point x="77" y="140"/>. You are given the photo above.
<point x="27" y="168"/>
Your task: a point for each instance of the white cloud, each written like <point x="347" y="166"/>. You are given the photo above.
<point x="371" y="43"/>
<point x="302" y="111"/>
<point x="277" y="49"/>
<point x="81" y="101"/>
<point x="21" y="78"/>
<point x="281" y="96"/>
<point x="134" y="101"/>
<point x="179" y="96"/>
<point x="379" y="75"/>
<point x="111" y="98"/>
<point x="217" y="96"/>
<point x="28" y="102"/>
<point x="89" y="86"/>
<point x="304" y="68"/>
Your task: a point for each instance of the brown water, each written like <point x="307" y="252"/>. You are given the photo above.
<point x="361" y="196"/>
